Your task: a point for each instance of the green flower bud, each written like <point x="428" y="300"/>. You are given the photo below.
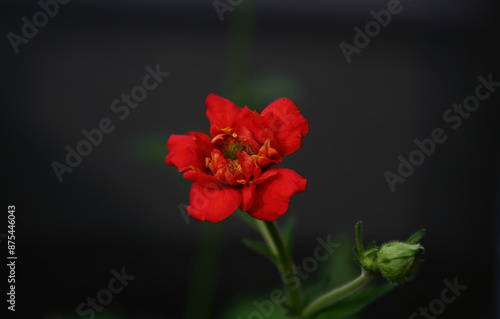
<point x="369" y="260"/>
<point x="399" y="261"/>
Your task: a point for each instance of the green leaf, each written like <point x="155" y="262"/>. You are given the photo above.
<point x="354" y="303"/>
<point x="415" y="238"/>
<point x="287" y="232"/>
<point x="260" y="248"/>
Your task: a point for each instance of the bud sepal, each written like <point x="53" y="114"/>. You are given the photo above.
<point x="367" y="258"/>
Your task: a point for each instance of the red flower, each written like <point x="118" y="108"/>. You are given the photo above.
<point x="235" y="168"/>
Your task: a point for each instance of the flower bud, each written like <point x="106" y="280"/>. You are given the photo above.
<point x="369" y="260"/>
<point x="399" y="261"/>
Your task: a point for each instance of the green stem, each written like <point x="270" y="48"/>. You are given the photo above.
<point x="276" y="244"/>
<point x="268" y="238"/>
<point x="337" y="294"/>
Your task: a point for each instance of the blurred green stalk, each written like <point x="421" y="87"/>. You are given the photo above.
<point x="204" y="279"/>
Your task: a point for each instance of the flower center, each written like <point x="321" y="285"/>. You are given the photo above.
<point x="231" y="151"/>
<point x="234" y="166"/>
<point x="231" y="145"/>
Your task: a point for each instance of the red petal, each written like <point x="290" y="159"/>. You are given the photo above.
<point x="219" y="167"/>
<point x="249" y="124"/>
<point x="268" y="173"/>
<point x="273" y="195"/>
<point x="248" y="195"/>
<point x="248" y="166"/>
<point x="286" y="125"/>
<point x="188" y="151"/>
<point x="213" y="205"/>
<point x="203" y="142"/>
<point x="268" y="155"/>
<point x="221" y="113"/>
<point x="204" y="179"/>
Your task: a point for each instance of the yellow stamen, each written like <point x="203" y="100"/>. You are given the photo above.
<point x="235" y="166"/>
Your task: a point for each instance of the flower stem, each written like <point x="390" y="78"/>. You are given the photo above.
<point x="337" y="294"/>
<point x="268" y="238"/>
<point x="273" y="238"/>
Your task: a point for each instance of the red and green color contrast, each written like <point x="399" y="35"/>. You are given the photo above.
<point x="235" y="168"/>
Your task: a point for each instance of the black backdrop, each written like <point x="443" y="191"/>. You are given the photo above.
<point x="120" y="206"/>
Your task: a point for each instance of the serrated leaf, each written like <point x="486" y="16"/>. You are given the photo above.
<point x="415" y="238"/>
<point x="354" y="303"/>
<point x="287" y="232"/>
<point x="260" y="248"/>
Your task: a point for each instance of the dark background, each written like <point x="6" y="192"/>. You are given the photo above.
<point x="119" y="208"/>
